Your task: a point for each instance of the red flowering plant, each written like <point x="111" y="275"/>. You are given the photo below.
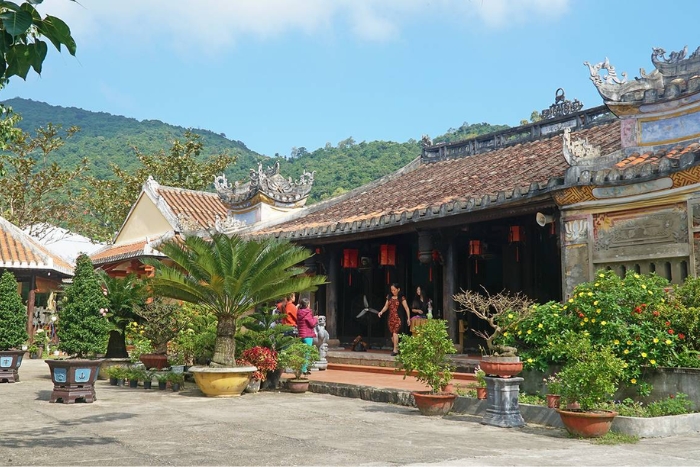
<point x="631" y="315"/>
<point x="262" y="358"/>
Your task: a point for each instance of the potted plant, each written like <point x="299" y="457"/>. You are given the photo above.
<point x="162" y="378"/>
<point x="176" y="380"/>
<point x="426" y="353"/>
<point x="134" y="375"/>
<point x="480" y="375"/>
<point x="296" y="357"/>
<point x="116" y="375"/>
<point x="148" y="379"/>
<point x="553" y="396"/>
<point x="589" y="378"/>
<point x="34" y="351"/>
<point x="83" y="331"/>
<point x="125" y="295"/>
<point x="502" y="312"/>
<point x="262" y="358"/>
<point x="13" y="328"/>
<point x="230" y="277"/>
<point x="159" y="325"/>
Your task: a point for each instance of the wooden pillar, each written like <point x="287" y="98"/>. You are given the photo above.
<point x="449" y="287"/>
<point x="332" y="293"/>
<point x="30" y="307"/>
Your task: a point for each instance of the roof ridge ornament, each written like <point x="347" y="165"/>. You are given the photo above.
<point x="578" y="151"/>
<point x="268" y="182"/>
<point x="561" y="106"/>
<point x="669" y="73"/>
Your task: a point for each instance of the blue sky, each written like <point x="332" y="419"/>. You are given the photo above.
<point x="278" y="74"/>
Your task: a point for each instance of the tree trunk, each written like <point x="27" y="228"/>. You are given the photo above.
<point x="225" y="347"/>
<point x="116" y="347"/>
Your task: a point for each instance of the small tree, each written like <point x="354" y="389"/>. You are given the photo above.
<point x="83" y="327"/>
<point x="13" y="315"/>
<point x="426" y="353"/>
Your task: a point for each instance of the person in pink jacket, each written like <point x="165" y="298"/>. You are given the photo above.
<point x="306" y="322"/>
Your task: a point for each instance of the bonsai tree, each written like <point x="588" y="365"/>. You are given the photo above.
<point x="231" y="277"/>
<point x="426" y="353"/>
<point x="13" y="314"/>
<point x="83" y="327"/>
<point x="125" y="294"/>
<point x="502" y="311"/>
<point x="159" y="322"/>
<point x="297" y="356"/>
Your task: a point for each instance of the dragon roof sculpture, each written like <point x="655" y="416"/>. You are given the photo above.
<point x="274" y="188"/>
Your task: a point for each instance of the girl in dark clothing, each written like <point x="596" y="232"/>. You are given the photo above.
<point x="419" y="307"/>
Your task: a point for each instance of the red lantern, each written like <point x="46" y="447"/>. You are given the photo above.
<point x="350" y="258"/>
<point x="387" y="255"/>
<point x="516" y="233"/>
<point x="474" y="247"/>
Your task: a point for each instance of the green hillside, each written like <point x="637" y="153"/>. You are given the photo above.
<point x="105" y="138"/>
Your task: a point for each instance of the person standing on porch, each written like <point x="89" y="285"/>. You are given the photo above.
<point x="419" y="307"/>
<point x="394" y="301"/>
<point x="291" y="310"/>
<point x="306" y="322"/>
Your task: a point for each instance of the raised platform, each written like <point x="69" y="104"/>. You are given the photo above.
<point x="383" y="359"/>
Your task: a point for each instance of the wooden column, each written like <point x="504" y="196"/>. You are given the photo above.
<point x="331" y="293"/>
<point x="30" y="307"/>
<point x="449" y="281"/>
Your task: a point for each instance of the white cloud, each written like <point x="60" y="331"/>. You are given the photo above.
<point x="211" y="25"/>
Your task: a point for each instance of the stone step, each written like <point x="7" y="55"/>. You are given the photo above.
<point x="467" y="377"/>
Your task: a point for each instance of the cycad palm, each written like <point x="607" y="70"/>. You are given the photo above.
<point x="231" y="276"/>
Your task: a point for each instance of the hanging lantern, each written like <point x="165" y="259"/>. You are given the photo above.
<point x="475" y="247"/>
<point x="350" y="258"/>
<point x="387" y="255"/>
<point x="516" y="234"/>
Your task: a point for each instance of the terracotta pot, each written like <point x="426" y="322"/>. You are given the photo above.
<point x="154" y="360"/>
<point x="481" y="393"/>
<point x="298" y="385"/>
<point x="504" y="367"/>
<point x="434" y="404"/>
<point x="553" y="401"/>
<point x="448" y="388"/>
<point x="592" y="424"/>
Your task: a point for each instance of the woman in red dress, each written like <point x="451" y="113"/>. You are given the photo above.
<point x="394" y="301"/>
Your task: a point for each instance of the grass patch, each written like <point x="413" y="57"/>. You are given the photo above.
<point x="616" y="438"/>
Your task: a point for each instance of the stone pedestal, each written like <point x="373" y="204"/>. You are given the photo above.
<point x="503" y="409"/>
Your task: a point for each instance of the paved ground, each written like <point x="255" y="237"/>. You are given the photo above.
<point x="137" y="427"/>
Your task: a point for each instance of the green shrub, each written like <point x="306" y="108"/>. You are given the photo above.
<point x="426" y="352"/>
<point x="13" y="314"/>
<point x="592" y="374"/>
<point x="630" y="316"/>
<point x="673" y="405"/>
<point x="82" y="326"/>
<point x="196" y="335"/>
<point x="296" y="356"/>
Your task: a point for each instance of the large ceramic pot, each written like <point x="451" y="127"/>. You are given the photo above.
<point x="73" y="380"/>
<point x="10" y="360"/>
<point x="434" y="404"/>
<point x="298" y="386"/>
<point x="592" y="424"/>
<point x="154" y="360"/>
<point x="222" y="382"/>
<point x="503" y="367"/>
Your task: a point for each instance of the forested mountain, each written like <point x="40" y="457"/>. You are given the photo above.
<point x="105" y="138"/>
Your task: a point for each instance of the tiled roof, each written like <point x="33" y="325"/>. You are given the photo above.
<point x="112" y="253"/>
<point x="20" y="251"/>
<point x="672" y="155"/>
<point x="447" y="187"/>
<point x="193" y="206"/>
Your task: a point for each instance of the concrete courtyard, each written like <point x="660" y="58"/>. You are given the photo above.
<point x="137" y="427"/>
